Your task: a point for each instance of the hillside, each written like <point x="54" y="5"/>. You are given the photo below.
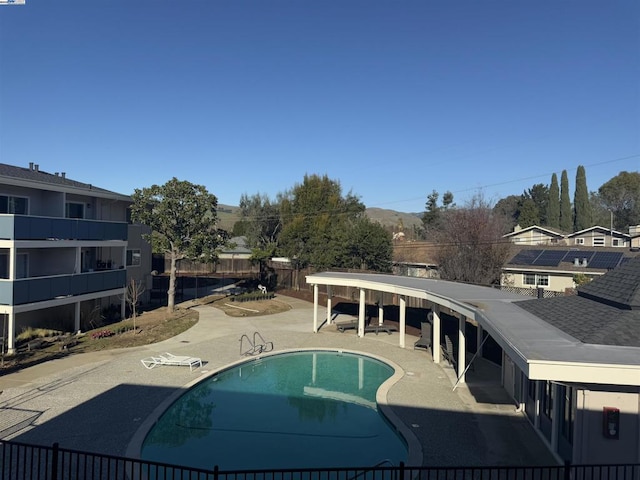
<point x="228" y="215"/>
<point x="392" y="218"/>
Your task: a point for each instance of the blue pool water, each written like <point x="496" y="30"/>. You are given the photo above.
<point x="293" y="410"/>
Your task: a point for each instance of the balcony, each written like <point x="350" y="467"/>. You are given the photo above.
<point x="24" y="227"/>
<point x="39" y="289"/>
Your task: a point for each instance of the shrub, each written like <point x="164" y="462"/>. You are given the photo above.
<point x="253" y="296"/>
<point x="102" y="334"/>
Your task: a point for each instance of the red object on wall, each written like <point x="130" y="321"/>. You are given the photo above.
<point x="611" y="422"/>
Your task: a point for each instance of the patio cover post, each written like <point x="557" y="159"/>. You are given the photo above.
<point x="380" y="308"/>
<point x="435" y="344"/>
<point x="76" y="323"/>
<point x="403" y="318"/>
<point x="315" y="308"/>
<point x="329" y="294"/>
<point x="361" y="312"/>
<point x="11" y="332"/>
<point x="462" y="349"/>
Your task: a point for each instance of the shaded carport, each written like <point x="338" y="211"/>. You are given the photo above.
<point x="540" y="350"/>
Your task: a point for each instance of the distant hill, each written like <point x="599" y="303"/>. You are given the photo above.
<point x="228" y="215"/>
<point x="392" y="218"/>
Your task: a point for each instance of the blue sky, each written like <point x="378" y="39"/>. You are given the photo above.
<point x="393" y="99"/>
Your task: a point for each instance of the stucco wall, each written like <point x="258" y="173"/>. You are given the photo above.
<point x="592" y="446"/>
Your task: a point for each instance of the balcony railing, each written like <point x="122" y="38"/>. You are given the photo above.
<point x="24" y="227"/>
<point x="30" y="290"/>
<point x="19" y="461"/>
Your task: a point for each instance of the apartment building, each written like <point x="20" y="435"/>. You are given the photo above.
<point x="67" y="252"/>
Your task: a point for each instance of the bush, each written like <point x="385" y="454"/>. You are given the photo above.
<point x="251" y="297"/>
<point x="102" y="334"/>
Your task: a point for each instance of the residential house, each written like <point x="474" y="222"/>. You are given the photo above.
<point x="562" y="261"/>
<point x="535" y="235"/>
<point x="599" y="237"/>
<point x="558" y="269"/>
<point x="66" y="252"/>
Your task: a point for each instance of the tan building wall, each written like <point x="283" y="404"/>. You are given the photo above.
<point x="591" y="446"/>
<point x="557" y="281"/>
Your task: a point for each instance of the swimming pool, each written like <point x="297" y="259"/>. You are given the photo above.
<point x="291" y="410"/>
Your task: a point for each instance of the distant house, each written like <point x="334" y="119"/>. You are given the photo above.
<point x="67" y="251"/>
<point x="415" y="259"/>
<point x="599" y="237"/>
<point x="559" y="257"/>
<point x="534" y="235"/>
<point x="555" y="268"/>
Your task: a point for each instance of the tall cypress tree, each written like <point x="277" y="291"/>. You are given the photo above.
<point x="581" y="206"/>
<point x="553" y="207"/>
<point x="566" y="222"/>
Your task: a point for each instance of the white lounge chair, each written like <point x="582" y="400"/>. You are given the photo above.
<point x="170" y="359"/>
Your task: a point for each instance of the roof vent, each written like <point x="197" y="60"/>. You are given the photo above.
<point x="36" y="167"/>
<point x="56" y="174"/>
<point x="584" y="262"/>
<point x="30" y="165"/>
<point x="576" y="262"/>
<point x="64" y="174"/>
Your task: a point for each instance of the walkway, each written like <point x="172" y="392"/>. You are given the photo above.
<point x="97" y="401"/>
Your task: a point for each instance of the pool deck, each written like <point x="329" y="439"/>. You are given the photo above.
<point x="99" y="401"/>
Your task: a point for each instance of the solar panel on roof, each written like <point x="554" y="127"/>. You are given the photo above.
<point x="581" y="255"/>
<point x="525" y="257"/>
<point x="605" y="260"/>
<point x="550" y="258"/>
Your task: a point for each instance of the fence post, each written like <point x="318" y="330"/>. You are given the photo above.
<point x="215" y="472"/>
<point x="401" y="472"/>
<point x="567" y="470"/>
<point x="54" y="461"/>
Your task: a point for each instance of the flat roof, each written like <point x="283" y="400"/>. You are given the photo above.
<point x="542" y="351"/>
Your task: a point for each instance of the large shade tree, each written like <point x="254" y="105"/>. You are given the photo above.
<point x="182" y="217"/>
<point x="621" y="197"/>
<point x="316" y="219"/>
<point x="324" y="228"/>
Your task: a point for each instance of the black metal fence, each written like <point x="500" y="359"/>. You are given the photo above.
<point x="20" y="461"/>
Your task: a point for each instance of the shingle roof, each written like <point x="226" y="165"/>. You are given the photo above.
<point x="606" y="311"/>
<point x="620" y="287"/>
<point x="25" y="173"/>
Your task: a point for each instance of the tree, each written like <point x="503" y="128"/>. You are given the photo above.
<point x="262" y="225"/>
<point x="370" y="247"/>
<point x="566" y="220"/>
<point x="582" y="218"/>
<point x="433" y="212"/>
<point x="132" y="296"/>
<point x="553" y="206"/>
<point x="621" y="196"/>
<point x="528" y="212"/>
<point x="323" y="228"/>
<point x="471" y="245"/>
<point x="507" y="208"/>
<point x="182" y="217"/>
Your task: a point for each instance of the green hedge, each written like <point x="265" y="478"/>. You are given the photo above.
<point x="250" y="297"/>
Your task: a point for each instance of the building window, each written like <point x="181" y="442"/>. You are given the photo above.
<point x="598" y="241"/>
<point x="618" y="242"/>
<point x="74" y="210"/>
<point x="579" y="241"/>
<point x="133" y="258"/>
<point x="536" y="280"/>
<point x="14" y="205"/>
